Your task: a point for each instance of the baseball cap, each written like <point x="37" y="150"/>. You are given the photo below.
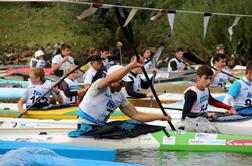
<point x="115" y="68"/>
<point x="39" y="53"/>
<point x="220" y="46"/>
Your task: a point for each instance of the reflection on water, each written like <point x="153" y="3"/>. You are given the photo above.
<point x="156" y="158"/>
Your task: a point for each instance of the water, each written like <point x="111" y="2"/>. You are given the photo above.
<point x="162" y="158"/>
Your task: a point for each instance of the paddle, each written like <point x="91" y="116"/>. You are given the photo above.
<point x="57" y="83"/>
<point x="191" y="57"/>
<point x="79" y="68"/>
<point x="183" y="61"/>
<point x="155" y="58"/>
<point x="122" y="16"/>
<point x="239" y="44"/>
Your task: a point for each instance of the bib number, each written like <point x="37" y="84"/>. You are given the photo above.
<point x="221" y="85"/>
<point x="203" y="108"/>
<point x="42" y="100"/>
<point x="248" y="102"/>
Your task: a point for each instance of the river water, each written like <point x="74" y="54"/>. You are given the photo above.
<point x="164" y="158"/>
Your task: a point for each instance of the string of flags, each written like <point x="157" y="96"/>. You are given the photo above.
<point x="104" y="8"/>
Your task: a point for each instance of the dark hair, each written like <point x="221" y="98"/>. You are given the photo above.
<point x="64" y="46"/>
<point x="145" y="49"/>
<point x="218" y="57"/>
<point x="179" y="49"/>
<point x="248" y="66"/>
<point x="90" y="51"/>
<point x="204" y="70"/>
<point x="104" y="48"/>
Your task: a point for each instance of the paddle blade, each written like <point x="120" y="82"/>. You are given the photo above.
<point x="239" y="44"/>
<point x="122" y="15"/>
<point x="157" y="55"/>
<point x="193" y="58"/>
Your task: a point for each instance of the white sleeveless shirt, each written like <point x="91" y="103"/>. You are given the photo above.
<point x="36" y="91"/>
<point x="73" y="87"/>
<point x="41" y="63"/>
<point x="100" y="103"/>
<point x="245" y="96"/>
<point x="220" y="79"/>
<point x="180" y="64"/>
<point x="136" y="83"/>
<point x="200" y="105"/>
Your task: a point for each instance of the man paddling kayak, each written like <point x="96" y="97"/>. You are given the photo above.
<point x="241" y="92"/>
<point x="104" y="96"/>
<point x="198" y="97"/>
<point x="220" y="78"/>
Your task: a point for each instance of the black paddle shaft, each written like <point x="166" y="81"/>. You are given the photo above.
<point x="151" y="86"/>
<point x="191" y="57"/>
<point x="127" y="30"/>
<point x="57" y="83"/>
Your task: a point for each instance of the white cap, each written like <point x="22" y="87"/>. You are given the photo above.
<point x="115" y="68"/>
<point x="39" y="53"/>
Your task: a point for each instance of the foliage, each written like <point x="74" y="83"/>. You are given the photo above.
<point x="37" y="24"/>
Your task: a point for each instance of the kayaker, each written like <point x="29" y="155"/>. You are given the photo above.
<point x="240" y="92"/>
<point x="177" y="63"/>
<point x="38" y="60"/>
<point x="37" y="88"/>
<point x="70" y="87"/>
<point x="61" y="61"/>
<point x="147" y="56"/>
<point x="134" y="83"/>
<point x="220" y="78"/>
<point x="219" y="49"/>
<point x="198" y="97"/>
<point x="94" y="72"/>
<point x="108" y="57"/>
<point x="104" y="96"/>
<point x="89" y="52"/>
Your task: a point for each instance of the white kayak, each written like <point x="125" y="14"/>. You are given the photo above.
<point x="233" y="128"/>
<point x="177" y="141"/>
<point x="60" y="136"/>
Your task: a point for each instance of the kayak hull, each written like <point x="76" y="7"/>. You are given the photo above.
<point x="181" y="141"/>
<point x="77" y="152"/>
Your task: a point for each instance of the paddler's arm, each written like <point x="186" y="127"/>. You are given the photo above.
<point x="57" y="95"/>
<point x="130" y="110"/>
<point x="56" y="65"/>
<point x="119" y="74"/>
<point x="22" y="101"/>
<point x="219" y="104"/>
<point x="21" y="105"/>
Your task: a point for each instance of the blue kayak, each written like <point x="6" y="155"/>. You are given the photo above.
<point x="70" y="151"/>
<point x="10" y="93"/>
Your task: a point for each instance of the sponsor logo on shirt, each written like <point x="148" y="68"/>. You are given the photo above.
<point x="203" y="98"/>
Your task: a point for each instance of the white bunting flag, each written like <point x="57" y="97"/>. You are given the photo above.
<point x="131" y="16"/>
<point x="171" y="16"/>
<point x="90" y="11"/>
<point x="206" y="20"/>
<point x="230" y="29"/>
<point x="158" y="15"/>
